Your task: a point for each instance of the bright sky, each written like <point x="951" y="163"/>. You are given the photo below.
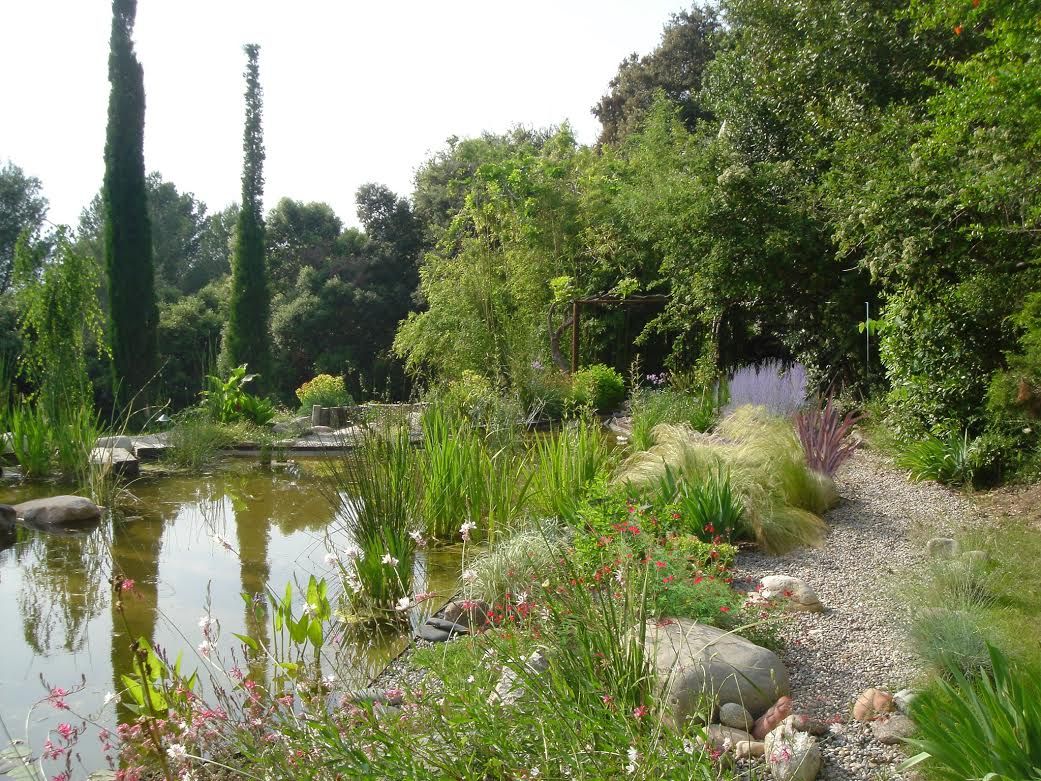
<point x="353" y="91"/>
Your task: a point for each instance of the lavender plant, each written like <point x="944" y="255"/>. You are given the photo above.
<point x="770" y="384"/>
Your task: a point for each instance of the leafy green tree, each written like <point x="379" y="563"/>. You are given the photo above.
<point x="676" y="66"/>
<point x="178" y="224"/>
<point x="247" y="339"/>
<point x="212" y="262"/>
<point x="22" y="208"/>
<point x="134" y="316"/>
<point x="300" y="235"/>
<point x="190" y="332"/>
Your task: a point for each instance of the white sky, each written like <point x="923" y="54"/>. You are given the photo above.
<point x="353" y="91"/>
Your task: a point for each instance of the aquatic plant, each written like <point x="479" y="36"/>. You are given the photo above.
<point x="565" y="463"/>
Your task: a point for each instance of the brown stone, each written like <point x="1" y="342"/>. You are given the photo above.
<point x="778" y="712"/>
<point x="871" y="704"/>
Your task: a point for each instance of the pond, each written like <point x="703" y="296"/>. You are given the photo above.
<point x="191" y="545"/>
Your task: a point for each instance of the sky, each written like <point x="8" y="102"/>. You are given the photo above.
<point x="354" y="92"/>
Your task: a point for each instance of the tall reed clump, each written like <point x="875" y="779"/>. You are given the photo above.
<point x="782" y="498"/>
<point x="565" y="463"/>
<point x="450" y="472"/>
<point x="651" y="408"/>
<point x="985" y="727"/>
<point x="373" y="488"/>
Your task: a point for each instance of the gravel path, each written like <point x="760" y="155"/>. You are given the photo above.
<point x="876" y="532"/>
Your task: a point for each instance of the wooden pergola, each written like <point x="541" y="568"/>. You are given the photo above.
<point x="604" y="301"/>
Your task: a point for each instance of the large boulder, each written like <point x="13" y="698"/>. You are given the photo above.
<point x="699" y="666"/>
<point x="58" y="513"/>
<point x="8" y="516"/>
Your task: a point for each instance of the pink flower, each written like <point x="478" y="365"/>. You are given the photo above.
<point x="124" y="584"/>
<point x="639" y="711"/>
<point x="465" y="530"/>
<point x="66" y="730"/>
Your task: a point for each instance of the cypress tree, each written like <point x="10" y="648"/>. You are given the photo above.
<point x="134" y="315"/>
<point x="247" y="335"/>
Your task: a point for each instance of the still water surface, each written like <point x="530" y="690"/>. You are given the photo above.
<point x="189" y="544"/>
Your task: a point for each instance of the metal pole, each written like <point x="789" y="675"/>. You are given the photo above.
<point x="574" y="336"/>
<point x="867" y="339"/>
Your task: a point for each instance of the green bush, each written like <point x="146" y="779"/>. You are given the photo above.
<point x="325" y="391"/>
<point x="599" y="386"/>
<point x="545" y="393"/>
<point x="702" y="554"/>
<point x="953" y="459"/>
<point x="986" y="727"/>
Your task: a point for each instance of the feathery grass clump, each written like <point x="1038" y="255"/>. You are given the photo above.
<point x="651" y="408"/>
<point x="514" y="564"/>
<point x="766" y="467"/>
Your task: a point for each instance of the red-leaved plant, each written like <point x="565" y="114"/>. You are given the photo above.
<point x="824" y="433"/>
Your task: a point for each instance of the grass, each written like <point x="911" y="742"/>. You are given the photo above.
<point x="512" y="565"/>
<point x="652" y="408"/>
<point x="950" y="459"/>
<point x="565" y="463"/>
<point x="782" y="498"/>
<point x="196" y="440"/>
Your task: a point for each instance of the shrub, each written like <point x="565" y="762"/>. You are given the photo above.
<point x="512" y="565"/>
<point x="702" y="554"/>
<point x="952" y="459"/>
<point x="707" y="508"/>
<point x="824" y="434"/>
<point x="226" y="400"/>
<point x="782" y="390"/>
<point x="782" y="498"/>
<point x="599" y="386"/>
<point x="545" y="393"/>
<point x="985" y="727"/>
<point x="325" y="391"/>
<point x="651" y="408"/>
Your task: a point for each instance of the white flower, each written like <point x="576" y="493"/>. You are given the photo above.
<point x="620" y="577"/>
<point x="205" y="647"/>
<point x="470" y="679"/>
<point x="177" y="752"/>
<point x="466" y="528"/>
<point x="418" y="538"/>
<point x="205" y="624"/>
<point x="634" y="755"/>
<point x="331" y="559"/>
<point x="403" y="604"/>
<point x="307" y="609"/>
<point x="688" y="746"/>
<point x="468" y="576"/>
<point x="534" y="772"/>
<point x="353" y="582"/>
<point x="388" y="559"/>
<point x="353" y="552"/>
<point x="109" y="697"/>
<point x="329" y="680"/>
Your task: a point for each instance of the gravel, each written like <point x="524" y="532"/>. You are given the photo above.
<point x="876" y="532"/>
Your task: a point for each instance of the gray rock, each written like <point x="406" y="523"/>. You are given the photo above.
<point x="8" y="516"/>
<point x="119" y="460"/>
<point x="698" y="664"/>
<point x="56" y="512"/>
<point x="903" y="699"/>
<point x="976" y="557"/>
<point x="733" y="714"/>
<point x="432" y="634"/>
<point x="795" y="592"/>
<point x="108" y="443"/>
<point x="510" y="688"/>
<point x="448" y="626"/>
<point x="892" y="730"/>
<point x="942" y="547"/>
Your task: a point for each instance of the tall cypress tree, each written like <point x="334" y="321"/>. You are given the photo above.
<point x="128" y="231"/>
<point x="247" y="335"/>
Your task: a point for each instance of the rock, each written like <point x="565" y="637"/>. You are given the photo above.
<point x="119" y="460"/>
<point x="150" y="447"/>
<point x="797" y="593"/>
<point x="473" y="614"/>
<point x="942" y="547"/>
<point x="892" y="729"/>
<point x="723" y="738"/>
<point x="431" y="634"/>
<point x="976" y="557"/>
<point x="110" y="443"/>
<point x="733" y="714"/>
<point x="903" y="699"/>
<point x="749" y="749"/>
<point x="777" y="713"/>
<point x="8" y="517"/>
<point x="696" y="663"/>
<point x="510" y="687"/>
<point x="384" y="696"/>
<point x="871" y="704"/>
<point x="57" y="512"/>
<point x="448" y="626"/>
<point x="806" y="724"/>
<point x="322" y="430"/>
<point x="792" y="755"/>
<point x="7" y="444"/>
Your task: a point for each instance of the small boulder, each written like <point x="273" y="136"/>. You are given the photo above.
<point x="431" y="634"/>
<point x="451" y="627"/>
<point x="8" y="516"/>
<point x="734" y="714"/>
<point x="804" y="723"/>
<point x="871" y="704"/>
<point x="723" y="738"/>
<point x="696" y="663"/>
<point x="892" y="729"/>
<point x="749" y="749"/>
<point x="942" y="548"/>
<point x="794" y="592"/>
<point x="792" y="755"/>
<point x="510" y="688"/>
<point x="120" y="461"/>
<point x="777" y="713"/>
<point x="56" y="512"/>
<point x="471" y="613"/>
<point x="903" y="699"/>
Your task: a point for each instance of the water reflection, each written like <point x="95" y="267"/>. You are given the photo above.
<point x="190" y="545"/>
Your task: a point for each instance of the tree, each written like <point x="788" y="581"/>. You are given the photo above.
<point x="300" y="235"/>
<point x="676" y="66"/>
<point x="178" y="224"/>
<point x="133" y="313"/>
<point x="22" y="208"/>
<point x="247" y="336"/>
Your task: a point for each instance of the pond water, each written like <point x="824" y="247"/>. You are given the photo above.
<point x="191" y="545"/>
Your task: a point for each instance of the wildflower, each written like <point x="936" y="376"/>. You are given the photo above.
<point x="465" y="530"/>
<point x="534" y="772"/>
<point x="205" y="648"/>
<point x="177" y="752"/>
<point x="124" y="584"/>
<point x="353" y="552"/>
<point x="109" y="697"/>
<point x="660" y="564"/>
<point x="468" y="576"/>
<point x="205" y="623"/>
<point x="331" y="559"/>
<point x="418" y="538"/>
<point x="66" y="731"/>
<point x="634" y="756"/>
<point x="470" y="679"/>
<point x="724" y="609"/>
<point x="329" y="680"/>
<point x="639" y="711"/>
<point x="403" y="604"/>
<point x="390" y="560"/>
<point x="536" y="365"/>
